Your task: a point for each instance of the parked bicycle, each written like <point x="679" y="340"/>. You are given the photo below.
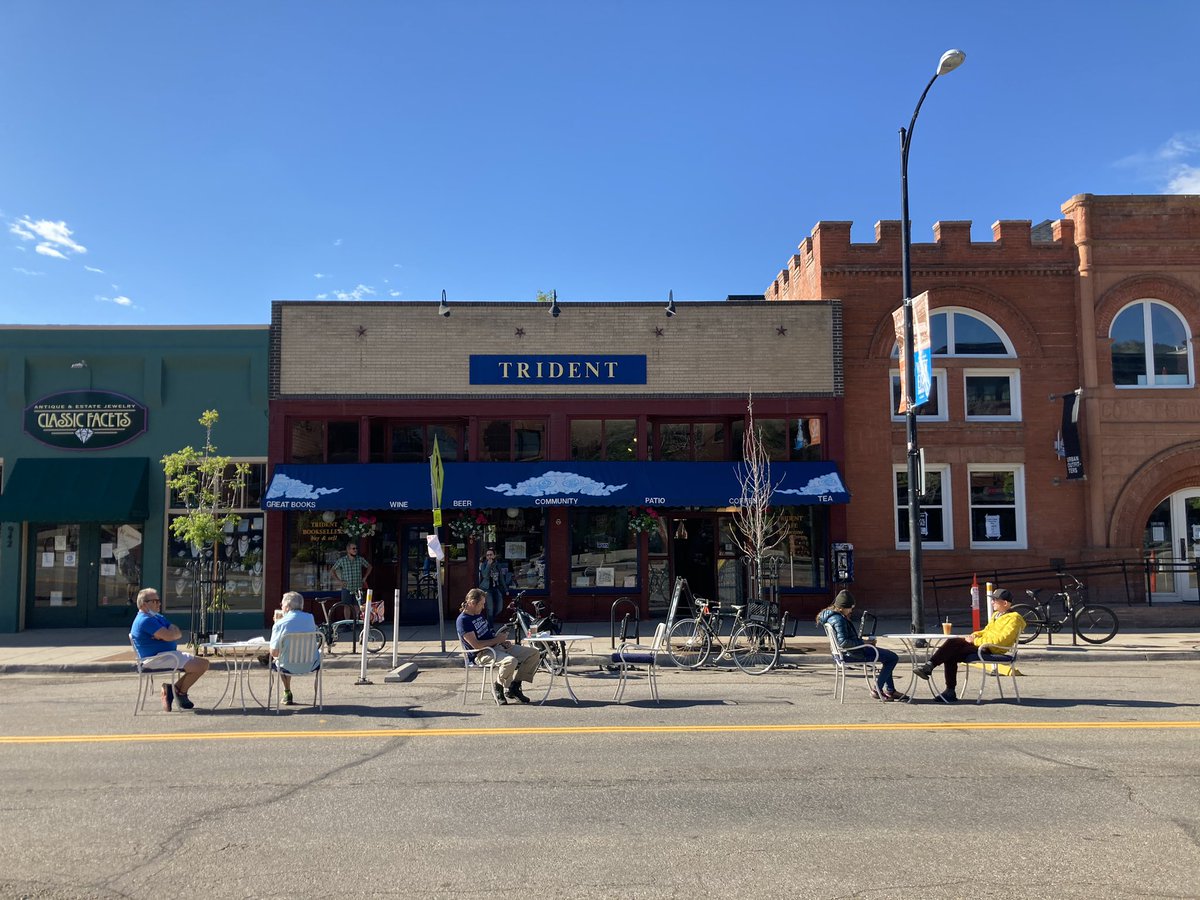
<point x="541" y="621"/>
<point x="346" y="617"/>
<point x="1091" y="622"/>
<point x="753" y="647"/>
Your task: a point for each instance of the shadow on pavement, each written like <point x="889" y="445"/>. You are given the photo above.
<point x="1064" y="702"/>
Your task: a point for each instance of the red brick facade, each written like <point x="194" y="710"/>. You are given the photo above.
<point x="1054" y="292"/>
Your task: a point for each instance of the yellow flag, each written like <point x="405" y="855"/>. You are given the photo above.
<point x="436" y="474"/>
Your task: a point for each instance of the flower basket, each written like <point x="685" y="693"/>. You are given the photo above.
<point x="358" y="525"/>
<point x="643" y="519"/>
<point x="469" y="525"/>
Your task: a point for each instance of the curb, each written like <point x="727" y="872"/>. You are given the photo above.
<point x="435" y="660"/>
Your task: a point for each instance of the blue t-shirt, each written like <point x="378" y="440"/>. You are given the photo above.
<point x="478" y="623"/>
<point x="144" y="627"/>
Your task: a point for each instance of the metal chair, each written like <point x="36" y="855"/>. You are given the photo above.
<point x="631" y="652"/>
<point x="840" y="663"/>
<point x="989" y="658"/>
<point x="299" y="654"/>
<point x="146" y="675"/>
<point x="485" y="659"/>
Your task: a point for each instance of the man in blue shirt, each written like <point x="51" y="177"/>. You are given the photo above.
<point x="514" y="663"/>
<point x="295" y="621"/>
<point x="154" y="636"/>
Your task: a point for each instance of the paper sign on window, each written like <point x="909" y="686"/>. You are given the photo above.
<point x="48" y="560"/>
<point x="1157" y="533"/>
<point x="514" y="550"/>
<point x="106" y="551"/>
<point x="991" y="527"/>
<point x="70" y="560"/>
<point x="605" y="576"/>
<point x="56" y="598"/>
<point x="60" y="542"/>
<point x="108" y="570"/>
<point x="1196" y="532"/>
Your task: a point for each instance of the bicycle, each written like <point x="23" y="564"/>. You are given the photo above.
<point x="542" y="620"/>
<point x="753" y="647"/>
<point x="1094" y="623"/>
<point x="351" y="621"/>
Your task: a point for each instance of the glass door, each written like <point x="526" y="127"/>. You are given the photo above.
<point x="83" y="574"/>
<point x="1172" y="545"/>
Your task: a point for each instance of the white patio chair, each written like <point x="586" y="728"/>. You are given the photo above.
<point x="299" y="655"/>
<point x="631" y="652"/>
<point x="485" y="659"/>
<point x="989" y="658"/>
<point x="840" y="663"/>
<point x="146" y="672"/>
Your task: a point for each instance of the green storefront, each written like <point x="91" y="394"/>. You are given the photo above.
<point x="88" y="413"/>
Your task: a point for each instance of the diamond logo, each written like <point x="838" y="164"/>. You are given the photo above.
<point x="83" y="434"/>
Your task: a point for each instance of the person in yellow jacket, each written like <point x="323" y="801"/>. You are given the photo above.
<point x="1003" y="630"/>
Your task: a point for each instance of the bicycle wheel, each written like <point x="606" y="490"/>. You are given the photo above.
<point x="375" y="640"/>
<point x="754" y="648"/>
<point x="1096" y="624"/>
<point x="552" y="658"/>
<point x="1033" y="622"/>
<point x="688" y="644"/>
<point x="326" y="634"/>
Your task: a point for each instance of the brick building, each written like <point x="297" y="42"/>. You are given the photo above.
<point x="642" y="409"/>
<point x="1018" y="322"/>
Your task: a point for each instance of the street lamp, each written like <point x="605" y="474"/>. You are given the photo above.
<point x="950" y="61"/>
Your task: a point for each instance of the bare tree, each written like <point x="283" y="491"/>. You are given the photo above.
<point x="758" y="527"/>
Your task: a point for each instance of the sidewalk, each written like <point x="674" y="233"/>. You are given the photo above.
<point x="51" y="650"/>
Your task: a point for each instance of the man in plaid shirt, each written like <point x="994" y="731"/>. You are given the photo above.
<point x="350" y="573"/>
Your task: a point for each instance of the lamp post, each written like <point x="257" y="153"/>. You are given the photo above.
<point x="950" y="61"/>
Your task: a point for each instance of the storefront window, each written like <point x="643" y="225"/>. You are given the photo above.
<point x="505" y="440"/>
<point x="604" y="551"/>
<point x="120" y="575"/>
<point x="315" y="541"/>
<point x="343" y="442"/>
<point x="799" y="562"/>
<point x="520" y="544"/>
<point x="241" y="549"/>
<point x="57" y="564"/>
<point x="308" y="442"/>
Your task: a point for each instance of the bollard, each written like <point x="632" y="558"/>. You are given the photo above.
<point x="974" y="602"/>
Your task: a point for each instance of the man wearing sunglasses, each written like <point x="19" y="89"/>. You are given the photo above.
<point x="154" y="636"/>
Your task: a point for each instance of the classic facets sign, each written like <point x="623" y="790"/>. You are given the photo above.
<point x="85" y="420"/>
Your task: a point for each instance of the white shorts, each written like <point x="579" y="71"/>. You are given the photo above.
<point x="168" y="659"/>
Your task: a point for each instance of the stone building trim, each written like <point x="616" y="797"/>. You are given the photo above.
<point x="1160" y="476"/>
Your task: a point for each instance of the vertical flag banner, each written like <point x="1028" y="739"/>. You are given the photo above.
<point x="898" y="321"/>
<point x="922" y="352"/>
<point x="1070" y="436"/>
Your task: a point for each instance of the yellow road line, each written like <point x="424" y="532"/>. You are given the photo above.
<point x="583" y="729"/>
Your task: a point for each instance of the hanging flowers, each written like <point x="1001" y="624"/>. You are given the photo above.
<point x="358" y="525"/>
<point x="642" y="518"/>
<point x="469" y="525"/>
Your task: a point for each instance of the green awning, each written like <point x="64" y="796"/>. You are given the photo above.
<point x="77" y="490"/>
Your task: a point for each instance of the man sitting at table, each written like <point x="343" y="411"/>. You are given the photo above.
<point x="514" y="663"/>
<point x="154" y="636"/>
<point x="1002" y="631"/>
<point x="295" y="621"/>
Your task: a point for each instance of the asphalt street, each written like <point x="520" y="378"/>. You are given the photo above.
<point x="762" y="787"/>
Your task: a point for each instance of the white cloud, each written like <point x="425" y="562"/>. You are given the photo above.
<point x="319" y="275"/>
<point x="56" y="233"/>
<point x="361" y="291"/>
<point x="394" y="293"/>
<point x="119" y="300"/>
<point x="26" y="271"/>
<point x="1185" y="180"/>
<point x="94" y="269"/>
<point x="23" y="234"/>
<point x="322" y="296"/>
<point x="337" y="242"/>
<point x="47" y="250"/>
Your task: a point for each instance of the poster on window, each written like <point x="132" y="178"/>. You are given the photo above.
<point x="991" y="527"/>
<point x="514" y="550"/>
<point x="70" y="560"/>
<point x="48" y="560"/>
<point x="605" y="576"/>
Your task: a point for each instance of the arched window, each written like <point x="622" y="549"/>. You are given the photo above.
<point x="964" y="332"/>
<point x="1151" y="347"/>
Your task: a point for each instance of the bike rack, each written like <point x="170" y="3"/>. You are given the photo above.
<point x="612" y="621"/>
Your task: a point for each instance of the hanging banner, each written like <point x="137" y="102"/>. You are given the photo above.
<point x="1070" y="436"/>
<point x="922" y="352"/>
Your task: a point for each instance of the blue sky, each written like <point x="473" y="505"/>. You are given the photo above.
<point x="173" y="163"/>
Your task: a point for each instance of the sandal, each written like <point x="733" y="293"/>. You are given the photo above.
<point x="880" y="695"/>
<point x="896" y="696"/>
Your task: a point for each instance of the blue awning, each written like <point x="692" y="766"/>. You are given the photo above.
<point x="404" y="486"/>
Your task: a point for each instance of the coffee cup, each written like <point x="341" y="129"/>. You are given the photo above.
<point x="947" y="627"/>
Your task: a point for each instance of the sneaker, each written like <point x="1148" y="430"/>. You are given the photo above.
<point x="182" y="697"/>
<point x="923" y="671"/>
<point x="948" y="696"/>
<point x="287" y="699"/>
<point x="895" y="695"/>
<point x="515" y="693"/>
<point x="879" y="695"/>
<point x="498" y="693"/>
<point x="168" y="695"/>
